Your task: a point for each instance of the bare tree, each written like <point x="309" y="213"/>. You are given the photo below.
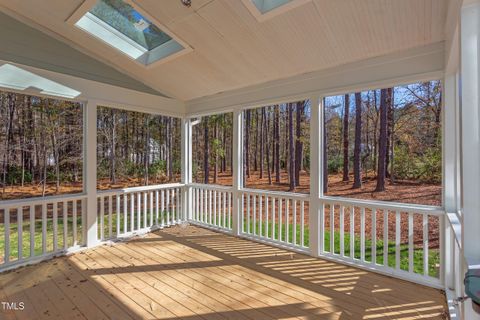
<point x="346" y="116"/>
<point x="357" y="183"/>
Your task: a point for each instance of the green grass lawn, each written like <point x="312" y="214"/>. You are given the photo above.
<point x="38" y="236"/>
<point x="434" y="254"/>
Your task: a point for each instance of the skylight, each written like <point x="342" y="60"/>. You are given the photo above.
<point x="265" y="6"/>
<point x="124" y="28"/>
<point x="12" y="77"/>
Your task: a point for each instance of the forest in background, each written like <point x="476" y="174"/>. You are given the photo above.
<point x="212" y="153"/>
<point x="136" y="149"/>
<point x="379" y="144"/>
<point x="385" y="144"/>
<point x="40" y="146"/>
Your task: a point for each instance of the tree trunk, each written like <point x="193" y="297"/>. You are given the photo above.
<point x="247" y="142"/>
<point x="255" y="153"/>
<point x="262" y="142"/>
<point x="291" y="150"/>
<point x="382" y="142"/>
<point x="389" y="129"/>
<point x="325" y="151"/>
<point x="215" y="137"/>
<point x="299" y="142"/>
<point x="266" y="127"/>
<point x="206" y="152"/>
<point x="346" y="116"/>
<point x="357" y="183"/>
<point x="277" y="143"/>
<point x="113" y="142"/>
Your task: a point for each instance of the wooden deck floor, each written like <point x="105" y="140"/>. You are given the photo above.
<point x="192" y="273"/>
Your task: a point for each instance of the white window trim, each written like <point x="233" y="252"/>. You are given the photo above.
<point x="141" y="59"/>
<point x="261" y="17"/>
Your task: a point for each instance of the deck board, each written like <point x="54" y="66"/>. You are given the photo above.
<point x="193" y="273"/>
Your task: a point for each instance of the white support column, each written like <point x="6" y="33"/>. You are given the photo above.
<point x="186" y="155"/>
<point x="470" y="117"/>
<point x="450" y="172"/>
<point x="316" y="179"/>
<point x="237" y="167"/>
<point x="90" y="173"/>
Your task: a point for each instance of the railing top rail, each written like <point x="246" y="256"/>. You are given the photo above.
<point x="278" y="194"/>
<point x="394" y="206"/>
<point x="211" y="187"/>
<point x="15" y="203"/>
<point x="139" y="189"/>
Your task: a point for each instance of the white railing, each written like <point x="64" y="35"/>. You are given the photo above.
<point x="391" y="238"/>
<point x="124" y="212"/>
<point x="212" y="206"/>
<point x="39" y="228"/>
<point x="456" y="266"/>
<point x="276" y="217"/>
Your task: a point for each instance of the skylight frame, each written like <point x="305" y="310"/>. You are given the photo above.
<point x="144" y="59"/>
<point x="281" y="9"/>
<point x="15" y="78"/>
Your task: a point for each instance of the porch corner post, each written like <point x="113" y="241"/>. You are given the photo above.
<point x="470" y="128"/>
<point x="315" y="176"/>
<point x="90" y="173"/>
<point x="186" y="155"/>
<point x="237" y="168"/>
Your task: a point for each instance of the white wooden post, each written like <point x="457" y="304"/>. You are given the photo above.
<point x="237" y="167"/>
<point x="90" y="173"/>
<point x="186" y="155"/>
<point x="316" y="180"/>
<point x="470" y="117"/>
<point x="450" y="173"/>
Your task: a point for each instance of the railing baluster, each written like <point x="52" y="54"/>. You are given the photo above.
<point x="162" y="201"/>
<point x="132" y="209"/>
<point x="20" y="232"/>
<point x="125" y="213"/>
<point x="167" y="207"/>
<point x="397" y="239"/>
<point x="6" y="218"/>
<point x="385" y="238"/>
<point x="342" y="230"/>
<point x="374" y="236"/>
<point x="65" y="225"/>
<point x="352" y="232"/>
<point x="280" y="219"/>
<point x="267" y="221"/>
<point x="55" y="226"/>
<point x="425" y="244"/>
<point x="110" y="220"/>
<point x="254" y="214"/>
<point x="145" y="209"/>
<point x="287" y="221"/>
<point x="139" y="211"/>
<point x="117" y="214"/>
<point x="242" y="213"/>
<point x="224" y="209"/>
<point x="151" y="209"/>
<point x="210" y="202"/>
<point x="44" y="228"/>
<point x="248" y="213"/>
<point x="32" y="231"/>
<point x="295" y="222"/>
<point x="332" y="228"/>
<point x="215" y="208"/>
<point x="322" y="227"/>
<point x="302" y="223"/>
<point x="274" y="207"/>
<point x="179" y="206"/>
<point x="157" y="207"/>
<point x="229" y="210"/>
<point x="362" y="234"/>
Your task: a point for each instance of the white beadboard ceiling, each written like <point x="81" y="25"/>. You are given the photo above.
<point x="232" y="49"/>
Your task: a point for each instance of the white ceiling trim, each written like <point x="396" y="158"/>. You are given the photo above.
<point x="418" y="64"/>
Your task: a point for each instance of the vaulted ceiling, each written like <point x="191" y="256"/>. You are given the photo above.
<point x="232" y="49"/>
